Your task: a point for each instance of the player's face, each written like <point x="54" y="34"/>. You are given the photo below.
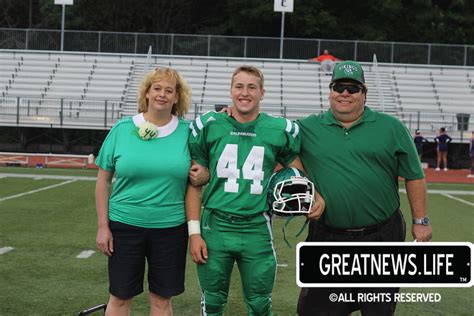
<point x="345" y="106"/>
<point x="246" y="93"/>
<point x="162" y="96"/>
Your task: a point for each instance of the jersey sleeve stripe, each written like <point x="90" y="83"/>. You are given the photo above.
<point x="196" y="126"/>
<point x="199" y="123"/>
<point x="289" y="126"/>
<point x="292" y="128"/>
<point x="297" y="130"/>
<point x="193" y="130"/>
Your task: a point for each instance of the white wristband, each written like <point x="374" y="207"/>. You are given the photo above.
<point x="194" y="227"/>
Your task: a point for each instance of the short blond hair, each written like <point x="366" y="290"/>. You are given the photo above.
<point x="182" y="89"/>
<point x="252" y="70"/>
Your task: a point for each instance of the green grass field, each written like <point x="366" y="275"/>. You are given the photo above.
<point x="48" y="228"/>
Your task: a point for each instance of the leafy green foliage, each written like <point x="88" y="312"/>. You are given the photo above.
<point x="427" y="21"/>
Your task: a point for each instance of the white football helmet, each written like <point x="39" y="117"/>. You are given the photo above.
<point x="290" y="192"/>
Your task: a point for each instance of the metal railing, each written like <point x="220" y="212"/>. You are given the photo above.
<point x="68" y="113"/>
<point x="236" y="46"/>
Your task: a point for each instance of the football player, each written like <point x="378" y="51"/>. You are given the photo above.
<point x="241" y="152"/>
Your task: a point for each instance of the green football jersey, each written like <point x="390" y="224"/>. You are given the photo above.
<point x="241" y="158"/>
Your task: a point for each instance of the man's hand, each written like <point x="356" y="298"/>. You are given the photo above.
<point x="197" y="249"/>
<point x="229" y="110"/>
<point x="421" y="233"/>
<point x="318" y="208"/>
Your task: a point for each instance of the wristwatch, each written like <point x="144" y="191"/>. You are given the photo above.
<point x="422" y="221"/>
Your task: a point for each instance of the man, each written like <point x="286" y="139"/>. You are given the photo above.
<point x="241" y="152"/>
<point x="355" y="156"/>
<point x="327" y="61"/>
<point x="419" y="141"/>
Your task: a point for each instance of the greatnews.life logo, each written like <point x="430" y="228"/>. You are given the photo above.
<point x="384" y="264"/>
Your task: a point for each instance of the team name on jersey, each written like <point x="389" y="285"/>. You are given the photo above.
<point x="243" y="134"/>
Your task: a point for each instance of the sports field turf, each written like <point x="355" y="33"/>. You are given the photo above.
<point x="49" y="222"/>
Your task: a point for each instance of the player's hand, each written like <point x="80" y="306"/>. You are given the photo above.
<point x="104" y="241"/>
<point x="197" y="249"/>
<point x="198" y="175"/>
<point x="421" y="233"/>
<point x="227" y="110"/>
<point x="318" y="208"/>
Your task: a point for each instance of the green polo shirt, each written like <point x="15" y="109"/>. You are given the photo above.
<point x="356" y="170"/>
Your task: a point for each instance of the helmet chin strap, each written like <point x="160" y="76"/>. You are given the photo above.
<point x="297" y="234"/>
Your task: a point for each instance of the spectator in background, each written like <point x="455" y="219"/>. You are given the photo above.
<point x="471" y="153"/>
<point x="419" y="142"/>
<point x="326" y="60"/>
<point x="141" y="218"/>
<point x="442" y="141"/>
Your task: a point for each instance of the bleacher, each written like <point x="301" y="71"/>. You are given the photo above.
<point x="90" y="89"/>
<point x="438" y="93"/>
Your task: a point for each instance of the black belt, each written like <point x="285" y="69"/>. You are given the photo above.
<point x="360" y="231"/>
<point x="232" y="217"/>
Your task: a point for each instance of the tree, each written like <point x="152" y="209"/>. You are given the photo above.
<point x="438" y="21"/>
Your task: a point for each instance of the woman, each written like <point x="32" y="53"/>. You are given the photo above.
<point x="144" y="218"/>
<point x="442" y="141"/>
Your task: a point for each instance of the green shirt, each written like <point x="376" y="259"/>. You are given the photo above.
<point x="241" y="158"/>
<point x="356" y="170"/>
<point x="151" y="175"/>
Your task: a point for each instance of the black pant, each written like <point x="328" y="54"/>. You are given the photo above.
<point x="315" y="301"/>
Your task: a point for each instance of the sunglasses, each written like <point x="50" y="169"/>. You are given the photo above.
<point x="351" y="88"/>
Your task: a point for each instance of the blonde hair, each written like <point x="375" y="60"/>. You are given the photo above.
<point x="182" y="89"/>
<point x="250" y="70"/>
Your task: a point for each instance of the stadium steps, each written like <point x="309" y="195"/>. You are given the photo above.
<point x="131" y="93"/>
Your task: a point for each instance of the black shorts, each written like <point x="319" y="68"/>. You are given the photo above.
<point x="315" y="301"/>
<point x="163" y="248"/>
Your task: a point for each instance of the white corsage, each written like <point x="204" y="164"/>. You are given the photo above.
<point x="147" y="130"/>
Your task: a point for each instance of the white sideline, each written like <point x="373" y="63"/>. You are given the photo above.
<point x="45" y="176"/>
<point x="447" y="193"/>
<point x="457" y="199"/>
<point x="457" y="192"/>
<point x="4" y="250"/>
<point x="85" y="254"/>
<point x="37" y="190"/>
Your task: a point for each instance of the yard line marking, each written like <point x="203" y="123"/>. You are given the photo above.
<point x="455" y="192"/>
<point x="4" y="250"/>
<point x="37" y="190"/>
<point x="282" y="265"/>
<point x="451" y="184"/>
<point x="45" y="176"/>
<point x="458" y="199"/>
<point x="85" y="254"/>
<point x="38" y="178"/>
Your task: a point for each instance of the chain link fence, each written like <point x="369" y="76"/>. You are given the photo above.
<point x="236" y="46"/>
